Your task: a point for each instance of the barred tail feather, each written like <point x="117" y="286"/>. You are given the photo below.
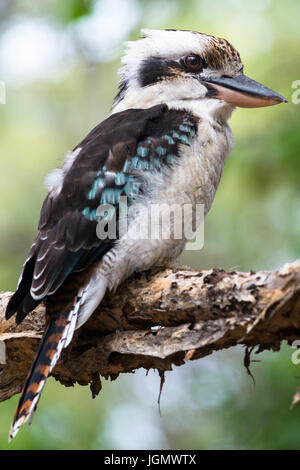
<point x="57" y="336"/>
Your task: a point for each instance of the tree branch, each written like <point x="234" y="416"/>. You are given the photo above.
<point x="160" y="318"/>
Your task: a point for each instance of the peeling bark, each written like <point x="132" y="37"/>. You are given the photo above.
<point x="158" y="319"/>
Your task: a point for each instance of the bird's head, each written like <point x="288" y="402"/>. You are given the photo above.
<point x="186" y="67"/>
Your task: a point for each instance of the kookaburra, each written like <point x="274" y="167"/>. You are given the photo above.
<point x="166" y="141"/>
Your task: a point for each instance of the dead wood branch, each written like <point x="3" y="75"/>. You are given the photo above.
<point x="161" y="318"/>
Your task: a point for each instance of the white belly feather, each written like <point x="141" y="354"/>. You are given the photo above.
<point x="192" y="180"/>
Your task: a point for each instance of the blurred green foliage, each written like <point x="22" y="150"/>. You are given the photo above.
<point x="254" y="223"/>
<point x="73" y="10"/>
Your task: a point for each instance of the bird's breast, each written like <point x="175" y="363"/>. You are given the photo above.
<point x="174" y="205"/>
<point x="195" y="177"/>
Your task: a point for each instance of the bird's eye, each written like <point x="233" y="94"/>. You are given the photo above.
<point x="193" y="62"/>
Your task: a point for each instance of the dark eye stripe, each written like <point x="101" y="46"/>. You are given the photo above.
<point x="154" y="69"/>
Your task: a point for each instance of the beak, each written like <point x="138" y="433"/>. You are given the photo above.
<point x="243" y="91"/>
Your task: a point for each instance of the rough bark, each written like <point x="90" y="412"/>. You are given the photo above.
<point x="158" y="319"/>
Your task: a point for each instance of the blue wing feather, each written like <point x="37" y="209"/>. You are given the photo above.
<point x="110" y="164"/>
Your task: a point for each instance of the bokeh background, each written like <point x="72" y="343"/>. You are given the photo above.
<point x="59" y="60"/>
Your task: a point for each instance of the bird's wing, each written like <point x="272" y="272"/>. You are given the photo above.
<point x="108" y="163"/>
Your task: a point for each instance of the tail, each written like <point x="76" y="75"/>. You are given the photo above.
<point x="67" y="310"/>
<point x="56" y="337"/>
